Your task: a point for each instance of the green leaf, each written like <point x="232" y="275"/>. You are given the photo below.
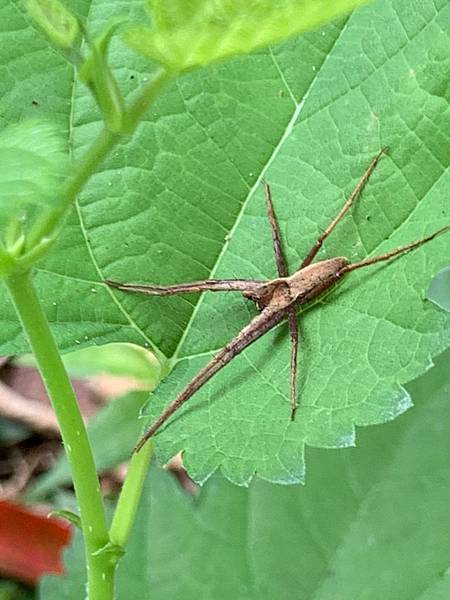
<point x="117" y="422"/>
<point x="122" y="360"/>
<point x="182" y="201"/>
<point x="116" y="359"/>
<point x="371" y="523"/>
<point x="33" y="160"/>
<point x="194" y="33"/>
<point x="439" y="290"/>
<point x="113" y="549"/>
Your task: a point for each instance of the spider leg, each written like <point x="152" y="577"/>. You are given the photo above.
<point x="353" y="196"/>
<point x="291" y="312"/>
<point x="211" y="285"/>
<point x="262" y="323"/>
<point x="280" y="259"/>
<point x="388" y="255"/>
<point x="293" y="328"/>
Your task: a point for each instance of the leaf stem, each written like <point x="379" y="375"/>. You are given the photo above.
<point x="6" y="261"/>
<point x="50" y="223"/>
<point x="130" y="496"/>
<point x="100" y="566"/>
<point x="101" y="554"/>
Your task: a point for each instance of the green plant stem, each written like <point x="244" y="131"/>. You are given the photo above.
<point x="47" y="227"/>
<point x="6" y="261"/>
<point x="130" y="496"/>
<point x="101" y="558"/>
<point x="100" y="566"/>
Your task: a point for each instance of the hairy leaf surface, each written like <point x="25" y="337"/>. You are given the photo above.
<point x="182" y="201"/>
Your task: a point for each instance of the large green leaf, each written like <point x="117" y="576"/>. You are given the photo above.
<point x="371" y="523"/>
<point x="182" y="201"/>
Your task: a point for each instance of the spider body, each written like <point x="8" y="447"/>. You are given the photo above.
<point x="276" y="299"/>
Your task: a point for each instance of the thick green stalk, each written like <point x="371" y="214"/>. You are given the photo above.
<point x="100" y="566"/>
<point x="130" y="496"/>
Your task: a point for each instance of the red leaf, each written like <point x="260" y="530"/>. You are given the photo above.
<point x="30" y="543"/>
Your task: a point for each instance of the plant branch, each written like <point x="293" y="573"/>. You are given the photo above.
<point x="101" y="554"/>
<point x="86" y="484"/>
<point x="6" y="261"/>
<point x="50" y="223"/>
<point x="130" y="496"/>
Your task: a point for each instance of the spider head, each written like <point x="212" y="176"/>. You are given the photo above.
<point x="275" y="292"/>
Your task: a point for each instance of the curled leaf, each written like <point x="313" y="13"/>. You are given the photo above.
<point x="68" y="515"/>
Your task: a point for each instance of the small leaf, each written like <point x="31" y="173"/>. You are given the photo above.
<point x="110" y="548"/>
<point x="68" y="515"/>
<point x="189" y="34"/>
<point x="58" y="23"/>
<point x="33" y="162"/>
<point x="439" y="290"/>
